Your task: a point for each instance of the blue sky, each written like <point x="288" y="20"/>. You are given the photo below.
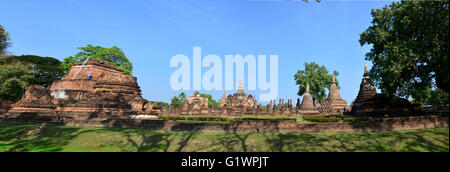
<point x="151" y="32"/>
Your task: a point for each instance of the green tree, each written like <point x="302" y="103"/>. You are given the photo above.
<point x="160" y="104"/>
<point x="113" y="55"/>
<point x="431" y="96"/>
<point x="4" y="41"/>
<point x="13" y="80"/>
<point x="47" y="69"/>
<point x="438" y="96"/>
<point x="318" y="78"/>
<point x="211" y="101"/>
<point x="409" y="51"/>
<point x="178" y="101"/>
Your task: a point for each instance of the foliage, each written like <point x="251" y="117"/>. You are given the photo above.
<point x="47" y="69"/>
<point x="431" y="97"/>
<point x="229" y="119"/>
<point x="355" y="119"/>
<point x="438" y="96"/>
<point x="160" y="104"/>
<point x="14" y="79"/>
<point x="223" y="119"/>
<point x="336" y="119"/>
<point x="178" y="101"/>
<point x="318" y="79"/>
<point x="318" y="119"/>
<point x="211" y="101"/>
<point x="4" y="41"/>
<point x="113" y="55"/>
<point x="409" y="51"/>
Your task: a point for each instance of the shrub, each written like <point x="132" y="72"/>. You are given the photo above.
<point x="355" y="119"/>
<point x="225" y="119"/>
<point x="309" y="119"/>
<point x="229" y="119"/>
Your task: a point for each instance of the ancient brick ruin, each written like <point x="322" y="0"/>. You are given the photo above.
<point x="98" y="92"/>
<point x="307" y="107"/>
<point x="194" y="105"/>
<point x="95" y="90"/>
<point x="369" y="102"/>
<point x="239" y="102"/>
<point x="334" y="104"/>
<point x="5" y="106"/>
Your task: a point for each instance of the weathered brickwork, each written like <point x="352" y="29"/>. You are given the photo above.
<point x="97" y="91"/>
<point x="369" y="102"/>
<point x="379" y="124"/>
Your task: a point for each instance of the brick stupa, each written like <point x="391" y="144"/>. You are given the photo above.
<point x="92" y="91"/>
<point x="334" y="103"/>
<point x="365" y="95"/>
<point x="307" y="106"/>
<point x="369" y="102"/>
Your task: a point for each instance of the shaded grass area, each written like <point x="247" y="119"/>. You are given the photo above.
<point x="42" y="138"/>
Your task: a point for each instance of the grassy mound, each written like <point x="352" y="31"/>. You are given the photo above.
<point x="41" y="138"/>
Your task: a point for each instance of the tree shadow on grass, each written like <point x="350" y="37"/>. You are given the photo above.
<point x="158" y="140"/>
<point x="391" y="141"/>
<point x="145" y="141"/>
<point x="47" y="138"/>
<point x="36" y="138"/>
<point x="293" y="142"/>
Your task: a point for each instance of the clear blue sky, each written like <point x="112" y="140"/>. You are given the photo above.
<point x="152" y="32"/>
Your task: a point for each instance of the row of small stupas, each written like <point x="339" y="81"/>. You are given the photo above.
<point x="242" y="104"/>
<point x="96" y="90"/>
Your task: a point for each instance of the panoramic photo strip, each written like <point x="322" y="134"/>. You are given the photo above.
<point x="224" y="76"/>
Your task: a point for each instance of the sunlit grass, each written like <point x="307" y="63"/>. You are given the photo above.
<point x="41" y="138"/>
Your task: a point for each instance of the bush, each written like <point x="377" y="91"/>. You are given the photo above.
<point x="224" y="119"/>
<point x="267" y="118"/>
<point x="309" y="119"/>
<point x="337" y="119"/>
<point x="229" y="119"/>
<point x="354" y="119"/>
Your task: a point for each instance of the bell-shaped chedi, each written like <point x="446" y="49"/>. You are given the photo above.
<point x="307" y="106"/>
<point x="334" y="103"/>
<point x="369" y="102"/>
<point x="366" y="92"/>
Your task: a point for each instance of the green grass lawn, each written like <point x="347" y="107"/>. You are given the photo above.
<point x="41" y="138"/>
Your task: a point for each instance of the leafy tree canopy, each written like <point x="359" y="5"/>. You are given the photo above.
<point x="13" y="80"/>
<point x="46" y="69"/>
<point x="160" y="104"/>
<point x="431" y="97"/>
<point x="4" y="41"/>
<point x="113" y="55"/>
<point x="211" y="101"/>
<point x="318" y="79"/>
<point x="178" y="101"/>
<point x="409" y="51"/>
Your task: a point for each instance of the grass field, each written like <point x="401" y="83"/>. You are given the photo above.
<point x="41" y="138"/>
